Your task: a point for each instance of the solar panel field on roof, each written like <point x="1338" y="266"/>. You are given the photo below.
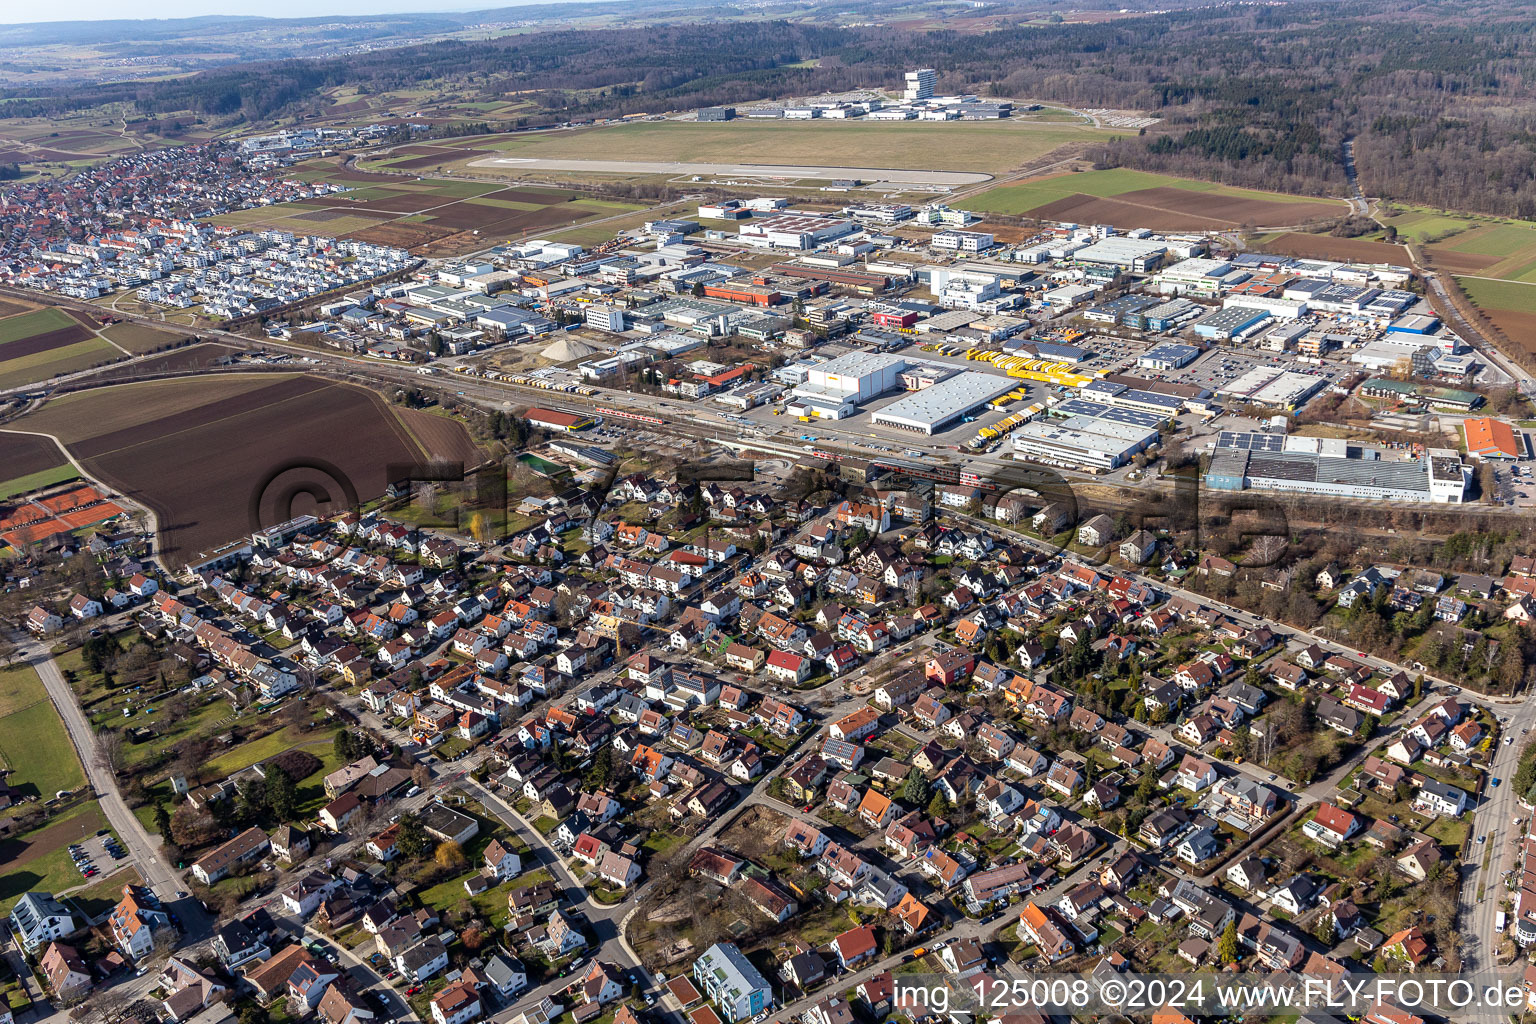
<point x="1111" y="413"/>
<point x="1250" y="442"/>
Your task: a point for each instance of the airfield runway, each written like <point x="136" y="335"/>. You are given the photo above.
<point x="746" y="170"/>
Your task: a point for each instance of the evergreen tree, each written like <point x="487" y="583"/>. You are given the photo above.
<point x="282" y="795"/>
<point x="413" y="839"/>
<point x="163" y="823"/>
<point x="1226" y="948"/>
<point x="915" y="791"/>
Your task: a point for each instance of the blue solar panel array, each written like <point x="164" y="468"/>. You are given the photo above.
<point x="1113" y="413"/>
<point x="1251" y="442"/>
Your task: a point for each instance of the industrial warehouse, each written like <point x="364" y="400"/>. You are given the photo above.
<point x="835" y="389"/>
<point x="937" y="405"/>
<point x="1336" y="468"/>
<point x="1097" y="438"/>
<point x="853" y="325"/>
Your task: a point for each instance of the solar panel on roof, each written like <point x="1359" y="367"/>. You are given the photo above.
<point x="1249" y="441"/>
<point x="1110" y="413"/>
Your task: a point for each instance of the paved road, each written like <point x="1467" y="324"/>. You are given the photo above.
<point x="1495" y="818"/>
<point x="144" y="849"/>
<point x="366" y="978"/>
<point x="158" y="873"/>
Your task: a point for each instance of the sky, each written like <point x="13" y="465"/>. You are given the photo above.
<point x="16" y="13"/>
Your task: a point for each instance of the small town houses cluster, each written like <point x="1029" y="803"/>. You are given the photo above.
<point x="678" y="637"/>
<point x="89" y="233"/>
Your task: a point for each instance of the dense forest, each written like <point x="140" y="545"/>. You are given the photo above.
<point x="1439" y="98"/>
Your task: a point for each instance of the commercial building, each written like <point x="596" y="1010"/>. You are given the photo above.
<point x="1488" y="438"/>
<point x="550" y="419"/>
<point x="727" y="977"/>
<point x="1265" y="385"/>
<point x="1137" y="254"/>
<point x="1083" y="441"/>
<point x="1278" y="308"/>
<point x="717" y="113"/>
<point x="1334" y="467"/>
<point x="1168" y="356"/>
<point x="833" y="389"/>
<point x="1198" y="276"/>
<point x="1117" y="394"/>
<point x="1068" y="296"/>
<point x="866" y="282"/>
<point x="920" y="84"/>
<point x="1403" y="391"/>
<point x="1228" y="322"/>
<point x="795" y="230"/>
<point x="1421" y="324"/>
<point x="932" y="408"/>
<point x="605" y="318"/>
<point x="916" y="378"/>
<point x="744" y="294"/>
<point x="963" y="241"/>
<point x="1163" y="316"/>
<point x="879" y="213"/>
<point x="1117" y="309"/>
<point x="1400" y="353"/>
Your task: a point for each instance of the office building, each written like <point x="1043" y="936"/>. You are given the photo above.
<point x="1168" y="356"/>
<point x="920" y="84"/>
<point x="963" y="241"/>
<point x="605" y="318"/>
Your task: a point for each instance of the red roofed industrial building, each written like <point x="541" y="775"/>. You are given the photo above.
<point x="1488" y="438"/>
<point x="549" y="419"/>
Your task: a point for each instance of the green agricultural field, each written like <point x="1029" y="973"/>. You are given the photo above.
<point x="455" y="189"/>
<point x="1029" y="195"/>
<point x="1418" y="224"/>
<point x="36" y="748"/>
<point x="36" y="481"/>
<point x="137" y="338"/>
<point x="20" y="688"/>
<point x="504" y="204"/>
<point x="988" y="146"/>
<point x="1504" y="240"/>
<point x="43" y="365"/>
<point x="30" y="325"/>
<point x="1499" y="294"/>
